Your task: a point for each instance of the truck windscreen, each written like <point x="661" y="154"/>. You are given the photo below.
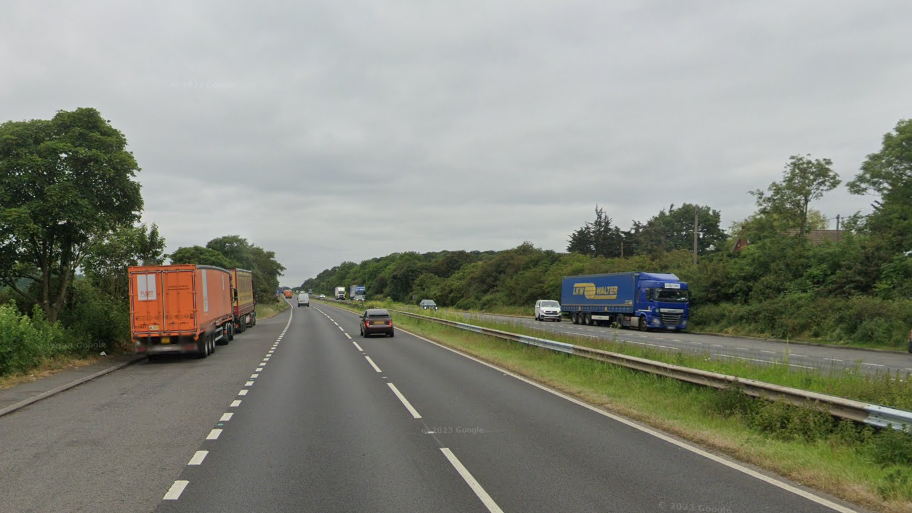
<point x="671" y="295"/>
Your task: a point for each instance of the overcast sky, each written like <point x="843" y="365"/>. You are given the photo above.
<point x="329" y="131"/>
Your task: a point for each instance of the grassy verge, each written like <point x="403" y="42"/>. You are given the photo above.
<point x="881" y="388"/>
<point x="873" y="469"/>
<point x="857" y="463"/>
<point x="47" y="367"/>
<point x="267" y="309"/>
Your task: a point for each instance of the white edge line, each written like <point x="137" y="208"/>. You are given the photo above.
<point x="198" y="458"/>
<point x="686" y="446"/>
<point x="405" y="402"/>
<point x="374" y="365"/>
<point x="175" y="491"/>
<point x="470" y="480"/>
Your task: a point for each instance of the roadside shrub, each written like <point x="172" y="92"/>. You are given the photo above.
<point x="24" y="341"/>
<point x="892" y="447"/>
<point x="788" y="422"/>
<point x="94" y="321"/>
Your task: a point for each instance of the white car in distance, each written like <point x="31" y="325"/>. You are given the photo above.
<point x="547" y="310"/>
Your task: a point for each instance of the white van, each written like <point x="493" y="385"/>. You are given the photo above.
<point x="303" y="299"/>
<point x="547" y="310"/>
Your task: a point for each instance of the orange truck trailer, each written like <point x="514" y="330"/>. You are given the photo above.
<point x="185" y="308"/>
<point x="243" y="305"/>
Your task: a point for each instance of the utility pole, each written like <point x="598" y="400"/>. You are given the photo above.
<point x="695" y="234"/>
<point x="837" y="226"/>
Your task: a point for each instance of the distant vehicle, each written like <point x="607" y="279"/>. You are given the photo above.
<point x="183" y="308"/>
<point x="340" y="293"/>
<point x="356" y="292"/>
<point x="637" y="300"/>
<point x="546" y="310"/>
<point x="303" y="299"/>
<point x="322" y="296"/>
<point x="427" y="304"/>
<point x="376" y="320"/>
<point x="288" y="293"/>
<point x="242" y="299"/>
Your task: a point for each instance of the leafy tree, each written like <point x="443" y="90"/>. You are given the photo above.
<point x="804" y="180"/>
<point x="888" y="173"/>
<point x="201" y="256"/>
<point x="597" y="238"/>
<point x="66" y="185"/>
<point x="674" y="230"/>
<point x="106" y="266"/>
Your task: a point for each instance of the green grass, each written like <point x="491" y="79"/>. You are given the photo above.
<point x="800" y="443"/>
<point x="881" y="388"/>
<point x="267" y="309"/>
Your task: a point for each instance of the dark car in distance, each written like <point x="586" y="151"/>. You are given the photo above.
<point x="376" y="320"/>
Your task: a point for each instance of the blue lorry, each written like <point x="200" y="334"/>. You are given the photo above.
<point x="636" y="300"/>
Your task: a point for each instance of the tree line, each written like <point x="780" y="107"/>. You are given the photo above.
<point x="69" y="212"/>
<point x="765" y="276"/>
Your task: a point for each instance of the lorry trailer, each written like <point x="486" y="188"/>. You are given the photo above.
<point x="356" y="292"/>
<point x="242" y="302"/>
<point x="633" y="299"/>
<point x="185" y="308"/>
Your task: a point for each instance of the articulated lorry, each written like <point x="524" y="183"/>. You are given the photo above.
<point x="356" y="293"/>
<point x="242" y="302"/>
<point x="182" y="308"/>
<point x="340" y="293"/>
<point x="636" y="300"/>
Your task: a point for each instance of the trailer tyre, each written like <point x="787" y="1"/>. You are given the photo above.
<point x="202" y="347"/>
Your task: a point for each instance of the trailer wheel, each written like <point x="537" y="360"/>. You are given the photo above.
<point x="202" y="347"/>
<point x="253" y="319"/>
<point x="589" y="320"/>
<point x="242" y="325"/>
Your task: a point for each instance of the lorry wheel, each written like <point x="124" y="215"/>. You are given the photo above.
<point x="242" y="326"/>
<point x="642" y="324"/>
<point x="589" y="321"/>
<point x="202" y="347"/>
<point x="230" y="331"/>
<point x="253" y="319"/>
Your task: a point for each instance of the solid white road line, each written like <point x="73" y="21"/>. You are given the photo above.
<point x="235" y="404"/>
<point x="198" y="458"/>
<point x="374" y="365"/>
<point x="356" y="345"/>
<point x="226" y="417"/>
<point x="175" y="491"/>
<point x="214" y="434"/>
<point x="683" y="445"/>
<point x="473" y="484"/>
<point x="405" y="402"/>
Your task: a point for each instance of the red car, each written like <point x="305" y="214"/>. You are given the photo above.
<point x="376" y="320"/>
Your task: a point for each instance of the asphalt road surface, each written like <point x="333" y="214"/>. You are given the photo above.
<point x="301" y="414"/>
<point x="796" y="356"/>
